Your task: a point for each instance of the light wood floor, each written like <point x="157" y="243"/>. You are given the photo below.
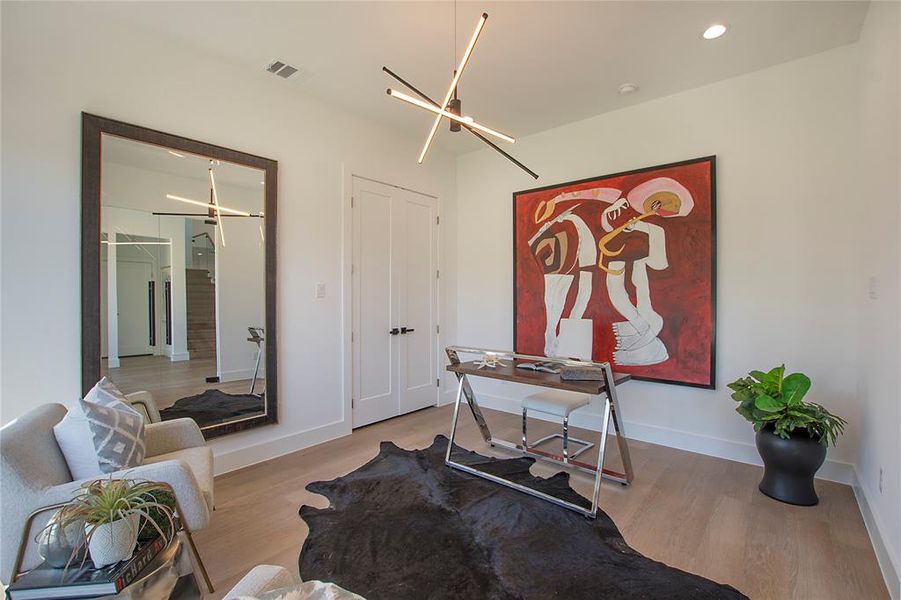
<point x="170" y="381"/>
<point x="694" y="512"/>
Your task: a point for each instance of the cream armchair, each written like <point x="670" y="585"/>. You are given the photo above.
<point x="34" y="474"/>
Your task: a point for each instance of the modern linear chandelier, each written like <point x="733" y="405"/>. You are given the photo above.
<point x="451" y="107"/>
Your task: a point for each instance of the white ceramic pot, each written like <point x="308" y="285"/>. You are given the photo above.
<point x="112" y="542"/>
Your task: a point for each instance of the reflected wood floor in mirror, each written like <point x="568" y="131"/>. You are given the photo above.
<point x="692" y="512"/>
<point x="170" y="381"/>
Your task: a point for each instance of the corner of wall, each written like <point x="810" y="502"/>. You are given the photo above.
<point x="885" y="555"/>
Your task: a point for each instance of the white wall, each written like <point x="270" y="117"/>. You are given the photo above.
<point x="61" y="59"/>
<point x="879" y="202"/>
<point x="787" y="236"/>
<point x="240" y="297"/>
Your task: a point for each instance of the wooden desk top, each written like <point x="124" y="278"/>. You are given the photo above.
<point x="539" y="378"/>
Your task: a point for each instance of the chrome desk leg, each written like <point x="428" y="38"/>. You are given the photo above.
<point x="453" y="431"/>
<point x="470" y="397"/>
<point x="525" y="426"/>
<point x="621" y="441"/>
<point x="602" y="447"/>
<point x="566" y="440"/>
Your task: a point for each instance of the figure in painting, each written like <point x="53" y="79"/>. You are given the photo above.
<point x="627" y="246"/>
<point x="565" y="248"/>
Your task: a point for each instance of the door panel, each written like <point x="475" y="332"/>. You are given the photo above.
<point x="376" y="391"/>
<point x="395" y="258"/>
<point x="134" y="307"/>
<point x="417" y="347"/>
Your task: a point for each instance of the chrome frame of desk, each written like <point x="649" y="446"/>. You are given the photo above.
<point x="609" y="400"/>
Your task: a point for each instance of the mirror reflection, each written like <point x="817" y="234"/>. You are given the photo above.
<point x="182" y="282"/>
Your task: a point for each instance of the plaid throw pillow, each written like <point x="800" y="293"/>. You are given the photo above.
<point x="118" y="428"/>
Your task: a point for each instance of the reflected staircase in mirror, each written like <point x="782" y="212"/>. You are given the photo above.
<point x="201" y="313"/>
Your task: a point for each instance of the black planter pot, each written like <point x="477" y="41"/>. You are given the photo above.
<point x="789" y="467"/>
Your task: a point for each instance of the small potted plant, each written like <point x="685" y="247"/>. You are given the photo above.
<point x="113" y="512"/>
<point x="792" y="435"/>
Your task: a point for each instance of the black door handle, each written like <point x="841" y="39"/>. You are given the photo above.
<point x="394" y="331"/>
<point x="405" y="330"/>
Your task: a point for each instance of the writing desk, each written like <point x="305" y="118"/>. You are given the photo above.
<point x="604" y="391"/>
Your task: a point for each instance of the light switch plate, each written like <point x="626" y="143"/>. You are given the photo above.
<point x="319" y="290"/>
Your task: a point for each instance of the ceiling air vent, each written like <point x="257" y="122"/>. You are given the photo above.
<point x="281" y="69"/>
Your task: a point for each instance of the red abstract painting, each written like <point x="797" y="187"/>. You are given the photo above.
<point x="621" y="268"/>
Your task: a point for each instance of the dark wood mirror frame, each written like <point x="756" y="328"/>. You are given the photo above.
<point x="92" y="128"/>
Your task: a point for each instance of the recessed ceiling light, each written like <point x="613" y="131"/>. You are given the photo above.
<point x="714" y="31"/>
<point x="176" y="154"/>
<point x="628" y="88"/>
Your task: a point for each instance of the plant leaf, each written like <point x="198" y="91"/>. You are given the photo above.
<point x="768" y="404"/>
<point x="794" y="388"/>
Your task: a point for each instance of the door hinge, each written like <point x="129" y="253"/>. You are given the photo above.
<point x="438" y="220"/>
<point x="438" y="274"/>
<point x="352" y="269"/>
<point x="351" y="201"/>
<point x="353" y="402"/>
<point x="437" y="328"/>
<point x="438" y="382"/>
<point x="351" y="336"/>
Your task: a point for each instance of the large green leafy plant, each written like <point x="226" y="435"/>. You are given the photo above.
<point x="775" y="400"/>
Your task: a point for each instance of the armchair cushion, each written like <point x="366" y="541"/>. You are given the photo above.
<point x="168" y="436"/>
<point x="101" y="433"/>
<point x="199" y="462"/>
<point x="118" y="428"/>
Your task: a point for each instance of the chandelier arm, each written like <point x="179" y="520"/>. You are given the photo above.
<point x="416" y="91"/>
<point x="456" y="79"/>
<point x="499" y="149"/>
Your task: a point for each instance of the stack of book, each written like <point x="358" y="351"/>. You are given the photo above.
<point x="83" y="580"/>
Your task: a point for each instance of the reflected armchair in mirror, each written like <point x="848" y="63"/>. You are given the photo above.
<point x="178" y="265"/>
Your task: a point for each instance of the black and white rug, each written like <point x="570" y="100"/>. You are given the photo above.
<point x="213" y="407"/>
<point x="405" y="526"/>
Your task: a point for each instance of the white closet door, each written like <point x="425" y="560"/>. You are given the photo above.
<point x="133" y="279"/>
<point x="419" y="304"/>
<point x="395" y="294"/>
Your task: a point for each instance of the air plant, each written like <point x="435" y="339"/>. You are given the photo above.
<point x="109" y="500"/>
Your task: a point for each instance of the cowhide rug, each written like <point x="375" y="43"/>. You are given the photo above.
<point x="213" y="407"/>
<point x="405" y="526"/>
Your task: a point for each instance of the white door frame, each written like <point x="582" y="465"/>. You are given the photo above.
<point x="346" y="347"/>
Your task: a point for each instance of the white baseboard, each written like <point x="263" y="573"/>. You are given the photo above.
<point x="270" y="449"/>
<point x="888" y="562"/>
<point x="682" y="440"/>
<point x="179" y="356"/>
<point x="239" y="374"/>
<point x="112" y="363"/>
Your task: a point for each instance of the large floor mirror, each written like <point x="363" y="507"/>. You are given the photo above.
<point x="178" y="275"/>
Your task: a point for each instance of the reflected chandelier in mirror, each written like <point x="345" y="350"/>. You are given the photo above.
<point x="179" y="275"/>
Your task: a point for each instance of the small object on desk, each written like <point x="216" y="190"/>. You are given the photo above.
<point x="544" y="367"/>
<point x="580" y="373"/>
<point x="490" y="360"/>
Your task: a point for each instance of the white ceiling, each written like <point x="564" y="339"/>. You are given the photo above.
<point x="537" y="64"/>
<point x="161" y="160"/>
